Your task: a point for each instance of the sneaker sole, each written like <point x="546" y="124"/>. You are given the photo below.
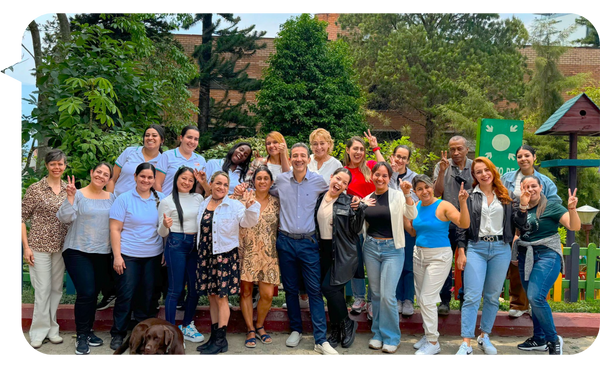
<point x="95" y="344"/>
<point x="191" y="339"/>
<point x="81" y="353"/>
<point x="537" y="348"/>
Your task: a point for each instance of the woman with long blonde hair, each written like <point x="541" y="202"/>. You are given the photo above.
<point x="488" y="242"/>
<point x="277" y="159"/>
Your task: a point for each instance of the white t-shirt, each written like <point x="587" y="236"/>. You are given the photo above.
<point x="518" y="179"/>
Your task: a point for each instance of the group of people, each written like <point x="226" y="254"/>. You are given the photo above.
<point x="226" y="226"/>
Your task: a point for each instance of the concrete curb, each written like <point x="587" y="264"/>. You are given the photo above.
<point x="567" y="324"/>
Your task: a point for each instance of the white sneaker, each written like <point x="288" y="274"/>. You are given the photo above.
<point x="515" y="313"/>
<point x="486" y="345"/>
<point x="464" y="349"/>
<point x="429" y="349"/>
<point x="36" y="344"/>
<point x="190" y="333"/>
<point x="359" y="305"/>
<point x="294" y="339"/>
<point x="390" y="349"/>
<point x="303" y="303"/>
<point x="375" y="344"/>
<point x="420" y="343"/>
<point x="408" y="309"/>
<point x="325" y="349"/>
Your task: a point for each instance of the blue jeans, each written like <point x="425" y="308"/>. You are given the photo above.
<point x="302" y="256"/>
<point x="485" y="272"/>
<point x="181" y="257"/>
<point x="546" y="267"/>
<point x="135" y="292"/>
<point x="406" y="285"/>
<point x="384" y="265"/>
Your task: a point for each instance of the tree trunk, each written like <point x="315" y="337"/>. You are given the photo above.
<point x="204" y="93"/>
<point x="42" y="148"/>
<point x="65" y="27"/>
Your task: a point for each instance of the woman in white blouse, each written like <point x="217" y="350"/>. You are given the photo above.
<point x="177" y="215"/>
<point x="492" y="209"/>
<point x="321" y="161"/>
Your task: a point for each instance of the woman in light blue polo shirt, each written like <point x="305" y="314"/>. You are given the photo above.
<point x="137" y="249"/>
<point x="183" y="155"/>
<point x="122" y="179"/>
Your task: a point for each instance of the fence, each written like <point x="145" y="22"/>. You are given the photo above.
<point x="588" y="284"/>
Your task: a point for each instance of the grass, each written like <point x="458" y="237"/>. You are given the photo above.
<point x="559" y="307"/>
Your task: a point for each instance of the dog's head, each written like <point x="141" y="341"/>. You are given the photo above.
<point x="158" y="340"/>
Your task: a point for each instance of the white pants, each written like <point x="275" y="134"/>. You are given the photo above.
<point x="430" y="267"/>
<point x="47" y="279"/>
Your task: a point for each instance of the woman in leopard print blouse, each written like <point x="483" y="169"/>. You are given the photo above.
<point x="42" y="247"/>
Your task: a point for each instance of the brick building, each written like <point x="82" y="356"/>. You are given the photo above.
<point x="574" y="61"/>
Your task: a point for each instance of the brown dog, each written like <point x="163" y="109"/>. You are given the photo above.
<point x="153" y="336"/>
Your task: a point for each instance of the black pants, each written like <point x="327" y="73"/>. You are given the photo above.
<point x="89" y="272"/>
<point x="135" y="292"/>
<point x="336" y="300"/>
<point x="445" y="293"/>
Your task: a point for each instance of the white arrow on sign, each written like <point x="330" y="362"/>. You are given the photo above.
<point x="511" y="156"/>
<point x="513" y="128"/>
<point x="489" y="128"/>
<point x="488" y="155"/>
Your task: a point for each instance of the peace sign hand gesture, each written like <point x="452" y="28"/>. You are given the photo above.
<point x="444" y="163"/>
<point x="249" y="198"/>
<point x="394" y="164"/>
<point x="372" y="139"/>
<point x="572" y="203"/>
<point x="200" y="175"/>
<point x="71" y="189"/>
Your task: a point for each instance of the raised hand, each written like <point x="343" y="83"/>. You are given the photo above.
<point x="167" y="221"/>
<point x="372" y="139"/>
<point x="572" y="203"/>
<point x="525" y="196"/>
<point x="71" y="189"/>
<point x="444" y="163"/>
<point x="248" y="198"/>
<point x="200" y="175"/>
<point x="394" y="164"/>
<point x="462" y="195"/>
<point x="240" y="189"/>
<point x="406" y="186"/>
<point x="281" y="148"/>
<point x="256" y="154"/>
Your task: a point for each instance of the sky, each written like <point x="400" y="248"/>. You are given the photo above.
<point x="264" y="20"/>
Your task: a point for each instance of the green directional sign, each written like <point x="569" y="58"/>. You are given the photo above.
<point x="498" y="140"/>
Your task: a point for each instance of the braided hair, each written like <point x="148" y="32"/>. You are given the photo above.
<point x="148" y="166"/>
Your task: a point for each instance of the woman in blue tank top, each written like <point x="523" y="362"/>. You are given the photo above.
<point x="432" y="257"/>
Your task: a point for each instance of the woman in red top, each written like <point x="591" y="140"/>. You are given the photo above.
<point x="361" y="186"/>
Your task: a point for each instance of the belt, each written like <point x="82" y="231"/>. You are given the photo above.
<point x="491" y="238"/>
<point x="298" y="236"/>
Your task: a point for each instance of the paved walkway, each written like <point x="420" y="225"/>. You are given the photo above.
<point x="506" y="345"/>
<point x="580" y="332"/>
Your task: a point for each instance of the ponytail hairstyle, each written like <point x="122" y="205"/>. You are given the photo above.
<point x="109" y="166"/>
<point x="148" y="166"/>
<point x="186" y="129"/>
<point x="343" y="170"/>
<point x="175" y="192"/>
<point x="364" y="169"/>
<point x="499" y="189"/>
